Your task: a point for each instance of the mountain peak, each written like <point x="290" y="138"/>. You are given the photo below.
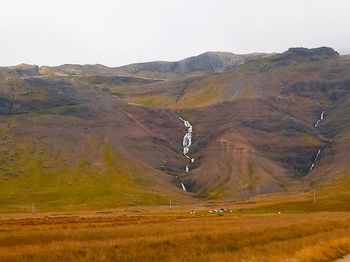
<point x="209" y="62"/>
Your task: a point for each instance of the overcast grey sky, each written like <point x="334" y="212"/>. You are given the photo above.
<point x="117" y="32"/>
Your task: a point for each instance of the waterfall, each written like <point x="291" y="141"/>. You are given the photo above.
<point x="187" y="141"/>
<point x="314" y="162"/>
<point x="321" y="118"/>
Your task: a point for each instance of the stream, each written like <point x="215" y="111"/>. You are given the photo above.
<point x="319" y="150"/>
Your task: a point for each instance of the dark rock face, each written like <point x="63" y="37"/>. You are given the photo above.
<point x="334" y="91"/>
<point x="6" y="105"/>
<point x="27" y="70"/>
<point x="298" y="54"/>
<point x="21" y="70"/>
<point x="57" y="92"/>
<point x="312" y="54"/>
<point x="321" y="52"/>
<point x="37" y="93"/>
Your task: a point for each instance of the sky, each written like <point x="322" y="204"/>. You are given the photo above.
<point x="118" y="32"/>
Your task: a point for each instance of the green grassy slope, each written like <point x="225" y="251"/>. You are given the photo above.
<point x="28" y="175"/>
<point x="64" y="186"/>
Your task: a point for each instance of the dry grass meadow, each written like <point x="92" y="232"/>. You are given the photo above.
<point x="160" y="234"/>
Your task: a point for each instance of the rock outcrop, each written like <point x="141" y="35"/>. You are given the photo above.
<point x="22" y="70"/>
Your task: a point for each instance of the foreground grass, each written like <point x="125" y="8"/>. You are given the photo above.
<point x="176" y="237"/>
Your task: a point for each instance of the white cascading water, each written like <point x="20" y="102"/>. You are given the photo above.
<point x="319" y="151"/>
<point x="321" y="118"/>
<point x="186" y="143"/>
<point x="314" y="162"/>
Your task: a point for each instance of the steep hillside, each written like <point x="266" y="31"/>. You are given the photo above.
<point x="86" y="137"/>
<point x="273" y="105"/>
<point x="68" y="146"/>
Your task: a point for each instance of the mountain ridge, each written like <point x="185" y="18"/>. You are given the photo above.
<point x="208" y="62"/>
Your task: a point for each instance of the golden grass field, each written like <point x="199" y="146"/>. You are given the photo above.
<point x="163" y="234"/>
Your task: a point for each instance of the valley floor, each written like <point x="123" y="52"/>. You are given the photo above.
<point x="161" y="234"/>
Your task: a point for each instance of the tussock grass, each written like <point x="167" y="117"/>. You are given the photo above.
<point x="171" y="237"/>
